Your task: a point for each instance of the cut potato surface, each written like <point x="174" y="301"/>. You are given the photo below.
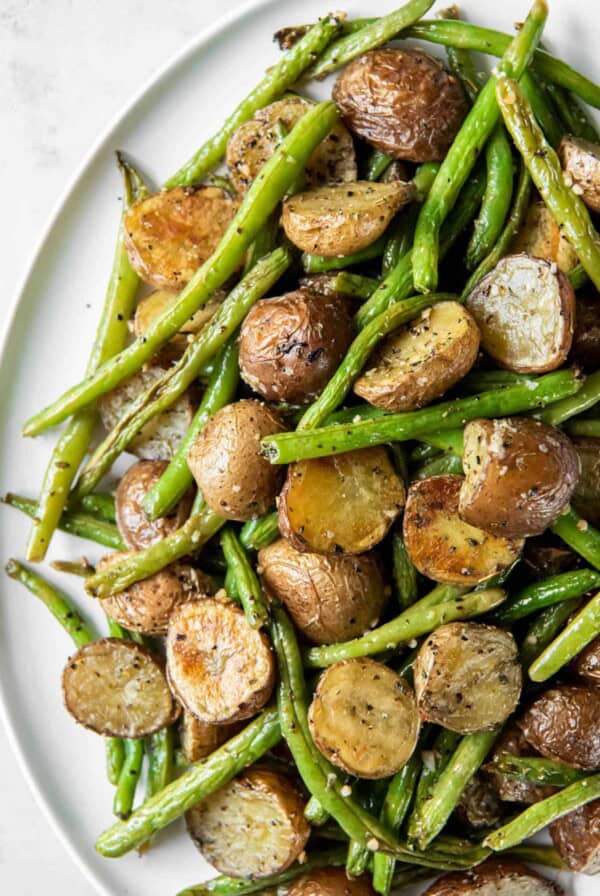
<point x="364" y="718"/>
<point x="577" y="838"/>
<point x="170" y="234"/>
<point x="200" y="739"/>
<point x="135" y="528"/>
<point x="220" y="669"/>
<point x="253" y="827"/>
<point x="525" y="311"/>
<point x="541" y="237"/>
<point x="156" y="303"/>
<point x="496" y="877"/>
<point x="468" y="677"/>
<point x="118" y="688"/>
<point x="418" y="363"/>
<point x="341" y="504"/>
<point x="331" y="882"/>
<point x="445" y="548"/>
<point x="562" y="724"/>
<point x="344" y="218"/>
<point x="255" y="141"/>
<point x="580" y="160"/>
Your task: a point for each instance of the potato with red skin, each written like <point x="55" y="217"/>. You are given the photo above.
<point x="562" y="724"/>
<point x="511" y="790"/>
<point x="136" y="529"/>
<point x="586" y="497"/>
<point x="577" y="838"/>
<point x="520" y="475"/>
<point x="580" y="160"/>
<point x="587" y="664"/>
<point x="402" y="102"/>
<point x="331" y="882"/>
<point x="495" y="877"/>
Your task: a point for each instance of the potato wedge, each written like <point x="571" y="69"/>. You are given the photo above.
<point x="519" y="475"/>
<point x="136" y="530"/>
<point x="562" y="724"/>
<point x="170" y="234"/>
<point x="156" y="303"/>
<point x="330" y="598"/>
<point x="525" y="311"/>
<point x="343" y="218"/>
<point x="495" y="877"/>
<point x="200" y="739"/>
<point x="331" y="882"/>
<point x="421" y="361"/>
<point x="253" y="827"/>
<point x="510" y="790"/>
<point x="585" y="350"/>
<point x="468" y="677"/>
<point x="580" y="160"/>
<point x="340" y="504"/>
<point x="118" y="688"/>
<point x="445" y="548"/>
<point x="577" y="838"/>
<point x="541" y="237"/>
<point x="586" y="497"/>
<point x="255" y="141"/>
<point x="587" y="664"/>
<point x="363" y="718"/>
<point x="219" y="668"/>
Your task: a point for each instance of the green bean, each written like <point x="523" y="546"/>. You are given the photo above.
<point x="483" y="380"/>
<point x="128" y="779"/>
<point x="440" y="466"/>
<point x="161" y="759"/>
<point x="393" y="812"/>
<point x="114" y="752"/>
<point x="546" y="593"/>
<point x="264" y="242"/>
<point x="74" y="522"/>
<point x="579" y="535"/>
<point x="586" y="427"/>
<point x="573" y="114"/>
<point x="322" y="264"/>
<point x="356" y="286"/>
<point x="359" y="855"/>
<point x="377" y="164"/>
<point x="536" y="817"/>
<point x="449" y="440"/>
<point x="569" y="643"/>
<point x="247" y="585"/>
<point x="532" y="770"/>
<point x="587" y="397"/>
<point x="542" y="111"/>
<point x="257" y="534"/>
<point x="100" y="504"/>
<point x="434" y="761"/>
<point x="460" y="61"/>
<point x="315" y="813"/>
<point x="544" y="628"/>
<point x="400" y="240"/>
<point x="405" y="574"/>
<point x="496" y="200"/>
<point x="539" y="855"/>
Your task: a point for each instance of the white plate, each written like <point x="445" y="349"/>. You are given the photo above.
<point x="45" y="348"/>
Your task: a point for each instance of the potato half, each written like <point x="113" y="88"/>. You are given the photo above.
<point x="525" y="311"/>
<point x="519" y="475"/>
<point x="421" y="361"/>
<point x="511" y="790"/>
<point x="330" y="598"/>
<point x="340" y="504"/>
<point x="587" y="664"/>
<point x="363" y="718"/>
<point x="580" y="160"/>
<point x="343" y="218"/>
<point x="577" y="838"/>
<point x="135" y="528"/>
<point x="562" y="724"/>
<point x="220" y="669"/>
<point x="170" y="234"/>
<point x="200" y="739"/>
<point x="331" y="882"/>
<point x="541" y="237"/>
<point x="445" y="548"/>
<point x="468" y="677"/>
<point x="255" y="141"/>
<point x="253" y="827"/>
<point x="586" y="497"/>
<point x="118" y="688"/>
<point x="496" y="877"/>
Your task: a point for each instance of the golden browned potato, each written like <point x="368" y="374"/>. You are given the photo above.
<point x="219" y="667"/>
<point x="403" y="102"/>
<point x="421" y="361"/>
<point x="252" y="827"/>
<point x="586" y="497"/>
<point x="255" y="141"/>
<point x="586" y="339"/>
<point x="511" y="790"/>
<point x="156" y="303"/>
<point x="331" y="882"/>
<point x="525" y="311"/>
<point x="343" y="218"/>
<point x="363" y="718"/>
<point x="479" y="807"/>
<point x="445" y="548"/>
<point x="468" y="677"/>
<point x="118" y="688"/>
<point x="519" y="475"/>
<point x="200" y="739"/>
<point x="580" y="160"/>
<point x="562" y="724"/>
<point x="225" y="460"/>
<point x="541" y="237"/>
<point x="587" y="664"/>
<point x="495" y="877"/>
<point x="135" y="528"/>
<point x="330" y="598"/>
<point x="577" y="838"/>
<point x="291" y="345"/>
<point x="340" y="504"/>
<point x="170" y="234"/>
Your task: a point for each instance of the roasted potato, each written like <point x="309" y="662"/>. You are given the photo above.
<point x="586" y="497"/>
<point x="219" y="668"/>
<point x="403" y="102"/>
<point x="331" y="882"/>
<point x="291" y="345"/>
<point x="562" y="724"/>
<point x="479" y="807"/>
<point x="421" y="361"/>
<point x="577" y="838"/>
<point x="468" y="677"/>
<point x="519" y="475"/>
<point x="444" y="547"/>
<point x="343" y="218"/>
<point x="580" y="160"/>
<point x="118" y="688"/>
<point x="200" y="739"/>
<point x="330" y="598"/>
<point x="513" y="743"/>
<point x="340" y="504"/>
<point x="587" y="664"/>
<point x="236" y="481"/>
<point x="541" y="237"/>
<point x="255" y="141"/>
<point x="252" y="827"/>
<point x="495" y="877"/>
<point x="363" y="718"/>
<point x="135" y="528"/>
<point x="525" y="311"/>
<point x="156" y="303"/>
<point x="585" y="350"/>
<point x="170" y="234"/>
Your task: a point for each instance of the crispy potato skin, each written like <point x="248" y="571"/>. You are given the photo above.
<point x="255" y="141"/>
<point x="291" y="345"/>
<point x="519" y="475"/>
<point x="577" y="838"/>
<point x="136" y="530"/>
<point x="467" y="677"/>
<point x="445" y="548"/>
<point x="340" y="504"/>
<point x="586" y="338"/>
<point x="200" y="739"/>
<point x="343" y="218"/>
<point x="495" y="877"/>
<point x="403" y="102"/>
<point x="581" y="160"/>
<point x="330" y="598"/>
<point x="586" y="497"/>
<point x="170" y="234"/>
<point x="420" y="362"/>
<point x="562" y="724"/>
<point x="236" y="481"/>
<point x="331" y="882"/>
<point x="219" y="668"/>
<point x="510" y="790"/>
<point x="540" y="236"/>
<point x="587" y="664"/>
<point x="253" y="827"/>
